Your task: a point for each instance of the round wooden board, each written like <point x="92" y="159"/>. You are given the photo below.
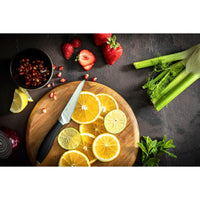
<point x="39" y="124"/>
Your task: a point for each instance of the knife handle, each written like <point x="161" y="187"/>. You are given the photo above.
<point x="47" y="142"/>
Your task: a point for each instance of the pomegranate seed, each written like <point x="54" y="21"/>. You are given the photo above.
<point x="61" y="68"/>
<point x="53" y="84"/>
<point x="62" y="80"/>
<point x="51" y="95"/>
<point x="94" y="79"/>
<point x="48" y="85"/>
<point x="54" y="97"/>
<point x="54" y="66"/>
<point x="44" y="110"/>
<point x="86" y="76"/>
<point x="59" y="75"/>
<point x="54" y="93"/>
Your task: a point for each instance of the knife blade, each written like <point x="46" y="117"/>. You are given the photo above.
<point x="65" y="118"/>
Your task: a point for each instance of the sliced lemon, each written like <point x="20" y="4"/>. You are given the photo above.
<point x="26" y="93"/>
<point x="86" y="146"/>
<point x="69" y="138"/>
<point x="106" y="147"/>
<point x="19" y="102"/>
<point x="95" y="128"/>
<point x="87" y="109"/>
<point x="74" y="158"/>
<point x="115" y="121"/>
<point x="108" y="103"/>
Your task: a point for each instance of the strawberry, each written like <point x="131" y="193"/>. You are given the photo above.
<point x="112" y="50"/>
<point x="101" y="38"/>
<point x="86" y="59"/>
<point x="67" y="50"/>
<point x="88" y="67"/>
<point x="76" y="42"/>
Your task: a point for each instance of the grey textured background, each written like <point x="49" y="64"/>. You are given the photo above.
<point x="180" y="120"/>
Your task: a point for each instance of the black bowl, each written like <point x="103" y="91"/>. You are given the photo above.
<point x="33" y="55"/>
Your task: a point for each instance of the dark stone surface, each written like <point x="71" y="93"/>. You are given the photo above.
<point x="180" y="120"/>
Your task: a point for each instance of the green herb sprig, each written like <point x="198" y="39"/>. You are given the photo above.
<point x="152" y="149"/>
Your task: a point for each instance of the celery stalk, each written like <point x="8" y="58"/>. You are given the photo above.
<point x="166" y="59"/>
<point x="186" y="80"/>
<point x="181" y="75"/>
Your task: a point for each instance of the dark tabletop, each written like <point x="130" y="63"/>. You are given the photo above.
<point x="179" y="121"/>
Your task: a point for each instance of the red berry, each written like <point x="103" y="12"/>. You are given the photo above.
<point x="54" y="66"/>
<point x="86" y="59"/>
<point x="61" y="68"/>
<point x="88" y="67"/>
<point x="76" y="42"/>
<point x="101" y="38"/>
<point x="44" y="110"/>
<point x="67" y="50"/>
<point x="112" y="50"/>
<point x="62" y="80"/>
<point x="53" y="84"/>
<point x="86" y="76"/>
<point x="59" y="75"/>
<point x="94" y="79"/>
<point x="48" y="85"/>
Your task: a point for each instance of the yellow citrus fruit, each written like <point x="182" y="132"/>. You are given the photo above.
<point x="115" y="121"/>
<point x="106" y="147"/>
<point x="86" y="146"/>
<point x="19" y="102"/>
<point x="95" y="128"/>
<point x="69" y="138"/>
<point x="87" y="109"/>
<point x="26" y="93"/>
<point x="108" y="103"/>
<point x="74" y="158"/>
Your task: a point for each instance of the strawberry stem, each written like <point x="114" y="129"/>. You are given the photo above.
<point x="112" y="42"/>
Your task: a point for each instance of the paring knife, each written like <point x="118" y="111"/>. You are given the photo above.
<point x="64" y="119"/>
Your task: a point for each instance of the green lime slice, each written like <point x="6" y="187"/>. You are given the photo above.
<point x="115" y="121"/>
<point x="69" y="138"/>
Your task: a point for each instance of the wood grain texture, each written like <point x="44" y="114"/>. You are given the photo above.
<point x="39" y="124"/>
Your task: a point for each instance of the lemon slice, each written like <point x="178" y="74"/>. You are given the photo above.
<point x="26" y="93"/>
<point x="108" y="103"/>
<point x="95" y="128"/>
<point x="106" y="147"/>
<point x="86" y="146"/>
<point x="19" y="102"/>
<point x="69" y="138"/>
<point x="115" y="121"/>
<point x="87" y="109"/>
<point x="74" y="158"/>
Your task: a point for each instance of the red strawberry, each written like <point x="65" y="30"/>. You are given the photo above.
<point x="68" y="50"/>
<point x="76" y="42"/>
<point x="88" y="67"/>
<point x="86" y="59"/>
<point x="101" y="38"/>
<point x="112" y="50"/>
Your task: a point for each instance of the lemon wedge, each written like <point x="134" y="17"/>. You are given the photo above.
<point x="26" y="93"/>
<point x="19" y="102"/>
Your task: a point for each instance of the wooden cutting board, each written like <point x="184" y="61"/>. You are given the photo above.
<point x="39" y="124"/>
